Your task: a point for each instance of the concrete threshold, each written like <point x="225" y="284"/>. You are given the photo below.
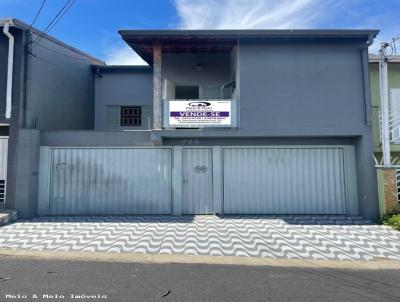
<point x="377" y="264"/>
<point x="7" y="216"/>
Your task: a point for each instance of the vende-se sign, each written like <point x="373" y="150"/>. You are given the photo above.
<point x="197" y="114"/>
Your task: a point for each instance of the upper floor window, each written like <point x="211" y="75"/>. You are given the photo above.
<point x="131" y="116"/>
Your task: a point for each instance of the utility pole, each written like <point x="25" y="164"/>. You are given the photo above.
<point x="384" y="94"/>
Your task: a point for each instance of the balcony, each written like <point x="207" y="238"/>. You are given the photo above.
<point x="199" y="113"/>
<point x="394" y="127"/>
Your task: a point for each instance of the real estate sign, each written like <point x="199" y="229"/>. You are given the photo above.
<point x="199" y="113"/>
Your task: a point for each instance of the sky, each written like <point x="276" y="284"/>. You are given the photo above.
<point x="92" y="25"/>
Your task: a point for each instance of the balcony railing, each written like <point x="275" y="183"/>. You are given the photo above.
<point x="394" y="126"/>
<point x="199" y="113"/>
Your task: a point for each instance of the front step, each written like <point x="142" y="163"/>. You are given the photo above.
<point x="7" y="216"/>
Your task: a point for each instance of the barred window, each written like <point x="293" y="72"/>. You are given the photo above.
<point x="131" y="116"/>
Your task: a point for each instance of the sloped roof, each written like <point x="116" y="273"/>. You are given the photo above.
<point x="21" y="25"/>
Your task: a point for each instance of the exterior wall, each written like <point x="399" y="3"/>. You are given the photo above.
<point x="16" y="152"/>
<point x="298" y="92"/>
<point x="52" y="89"/>
<point x="303" y="89"/>
<point x="26" y="168"/>
<point x="233" y="61"/>
<point x="394" y="82"/>
<point x="59" y="88"/>
<point x="123" y="87"/>
<point x="387" y="189"/>
<point x="322" y="94"/>
<point x="95" y="138"/>
<point x="143" y="138"/>
<point x="264" y="141"/>
<point x="307" y="87"/>
<point x="181" y="68"/>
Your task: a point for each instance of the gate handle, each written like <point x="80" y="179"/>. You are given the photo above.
<point x="200" y="168"/>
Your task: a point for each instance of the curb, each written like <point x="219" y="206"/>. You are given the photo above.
<point x="191" y="259"/>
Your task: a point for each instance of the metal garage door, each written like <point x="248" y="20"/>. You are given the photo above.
<point x="197" y="181"/>
<point x="284" y="181"/>
<point x="110" y="181"/>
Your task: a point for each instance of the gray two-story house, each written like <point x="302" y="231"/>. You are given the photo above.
<point x="220" y="122"/>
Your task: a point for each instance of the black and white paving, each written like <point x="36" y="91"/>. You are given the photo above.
<point x="289" y="237"/>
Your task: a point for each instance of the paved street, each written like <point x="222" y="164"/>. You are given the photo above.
<point x="285" y="237"/>
<point x="192" y="282"/>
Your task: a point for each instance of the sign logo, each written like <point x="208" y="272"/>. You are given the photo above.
<point x="199" y="104"/>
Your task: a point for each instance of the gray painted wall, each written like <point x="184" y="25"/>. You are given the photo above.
<point x="58" y="95"/>
<point x="310" y="89"/>
<point x="26" y="168"/>
<point x="15" y="147"/>
<point x="307" y="87"/>
<point x="121" y="88"/>
<point x="181" y="68"/>
<point x="59" y="89"/>
<point x="291" y="89"/>
<point x="233" y="63"/>
<point x="95" y="138"/>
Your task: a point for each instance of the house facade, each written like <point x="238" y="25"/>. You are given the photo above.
<point x="394" y="103"/>
<point x="50" y="87"/>
<point x="387" y="176"/>
<point x="219" y="122"/>
<point x="222" y="122"/>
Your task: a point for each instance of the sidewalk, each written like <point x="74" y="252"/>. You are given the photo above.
<point x="277" y="237"/>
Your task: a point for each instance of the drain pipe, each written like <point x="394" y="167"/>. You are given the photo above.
<point x="6" y="31"/>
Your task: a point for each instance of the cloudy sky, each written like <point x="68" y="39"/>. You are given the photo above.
<point x="92" y="25"/>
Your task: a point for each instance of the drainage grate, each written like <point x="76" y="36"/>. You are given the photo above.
<point x="2" y="191"/>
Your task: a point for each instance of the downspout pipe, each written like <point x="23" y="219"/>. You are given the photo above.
<point x="10" y="65"/>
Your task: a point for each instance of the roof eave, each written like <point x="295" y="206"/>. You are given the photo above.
<point x="23" y="26"/>
<point x="252" y="33"/>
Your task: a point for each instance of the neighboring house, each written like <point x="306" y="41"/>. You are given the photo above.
<point x="221" y="122"/>
<point x="394" y="103"/>
<point x="394" y="116"/>
<point x="49" y="88"/>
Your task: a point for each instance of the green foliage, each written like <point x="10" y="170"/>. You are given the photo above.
<point x="392" y="220"/>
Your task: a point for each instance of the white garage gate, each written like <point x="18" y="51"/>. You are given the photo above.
<point x="106" y="181"/>
<point x="198" y="180"/>
<point x="286" y="180"/>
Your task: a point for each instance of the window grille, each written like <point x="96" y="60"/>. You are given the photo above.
<point x="131" y="116"/>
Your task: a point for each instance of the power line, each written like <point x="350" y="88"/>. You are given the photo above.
<point x="55" y="20"/>
<point x="37" y="14"/>
<point x="62" y="15"/>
